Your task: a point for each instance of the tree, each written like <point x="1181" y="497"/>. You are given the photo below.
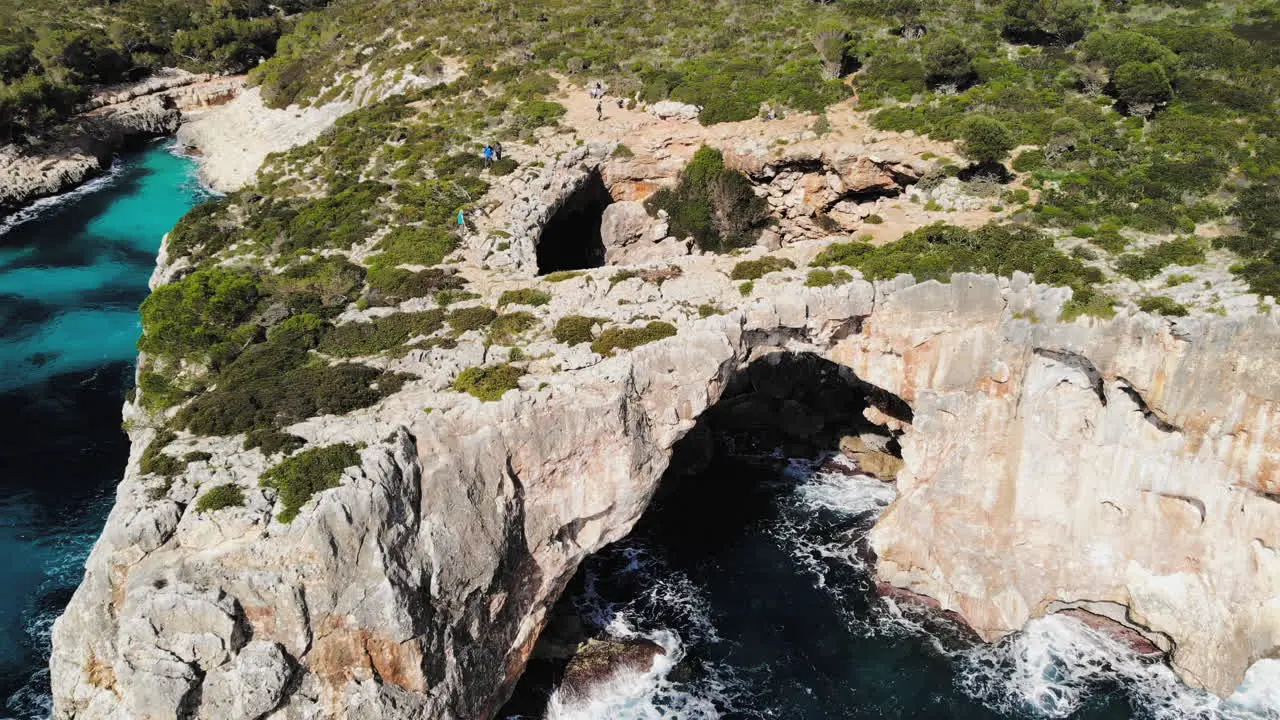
<point x="1046" y="21"/>
<point x="832" y="44"/>
<point x="227" y="45"/>
<point x="1113" y="48"/>
<point x="1142" y="86"/>
<point x="79" y="56"/>
<point x="1258" y="208"/>
<point x="985" y="140"/>
<point x="948" y="61"/>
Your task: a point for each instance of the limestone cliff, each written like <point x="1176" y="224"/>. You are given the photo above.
<point x="1125" y="466"/>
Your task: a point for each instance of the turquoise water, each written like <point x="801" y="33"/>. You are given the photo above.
<point x="71" y="278"/>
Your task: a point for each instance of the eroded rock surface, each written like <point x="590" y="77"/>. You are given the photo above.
<point x="1040" y="461"/>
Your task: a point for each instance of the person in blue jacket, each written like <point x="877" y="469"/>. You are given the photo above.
<point x="488" y="155"/>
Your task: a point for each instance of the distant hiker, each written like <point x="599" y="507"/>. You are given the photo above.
<point x="621" y="102"/>
<point x="488" y="155"/>
<point x="497" y="151"/>
<point x="599" y="111"/>
<point x="462" y="220"/>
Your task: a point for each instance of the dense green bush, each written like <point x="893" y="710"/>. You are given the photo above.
<point x="470" y="318"/>
<point x="200" y="316"/>
<point x="1113" y="48"/>
<point x="1046" y="21"/>
<point x="948" y="60"/>
<point x="756" y="269"/>
<point x="488" y="382"/>
<point x="385" y="333"/>
<point x="1162" y="305"/>
<point x="506" y="327"/>
<point x="220" y="497"/>
<point x="272" y="441"/>
<point x="1139" y="83"/>
<point x="575" y="329"/>
<point x="822" y="277"/>
<point x="300" y="477"/>
<point x="391" y="285"/>
<point x="937" y="251"/>
<point x="524" y="296"/>
<point x="712" y="204"/>
<point x="1149" y="262"/>
<point x="155" y="461"/>
<point x="986" y="140"/>
<point x="414" y="245"/>
<point x="629" y="338"/>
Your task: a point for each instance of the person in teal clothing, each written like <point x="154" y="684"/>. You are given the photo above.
<point x="462" y="220"/>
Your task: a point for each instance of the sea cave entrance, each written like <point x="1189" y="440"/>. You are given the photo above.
<point x="571" y="239"/>
<point x="725" y="586"/>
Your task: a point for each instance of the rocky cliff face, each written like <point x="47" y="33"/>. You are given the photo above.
<point x="1128" y="467"/>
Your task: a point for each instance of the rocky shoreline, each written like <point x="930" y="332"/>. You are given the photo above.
<point x="114" y="119"/>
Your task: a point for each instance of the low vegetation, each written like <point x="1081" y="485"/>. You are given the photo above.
<point x="298" y="478"/>
<point x="524" y="296"/>
<point x="1162" y="305"/>
<point x="937" y="251"/>
<point x="629" y="338"/>
<point x="575" y="329"/>
<point x="488" y="382"/>
<point x="756" y="269"/>
<point x="475" y="317"/>
<point x="220" y="497"/>
<point x="822" y="277"/>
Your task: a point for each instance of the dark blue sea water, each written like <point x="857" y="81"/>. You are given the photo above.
<point x="71" y="278"/>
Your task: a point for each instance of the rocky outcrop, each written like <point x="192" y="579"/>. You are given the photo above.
<point x="86" y="146"/>
<point x="1041" y="459"/>
<point x="599" y="662"/>
<point x="1130" y="468"/>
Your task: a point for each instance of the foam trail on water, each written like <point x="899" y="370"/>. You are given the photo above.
<point x="1056" y="664"/>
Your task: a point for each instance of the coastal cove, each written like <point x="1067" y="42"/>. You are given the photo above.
<point x="73" y="270"/>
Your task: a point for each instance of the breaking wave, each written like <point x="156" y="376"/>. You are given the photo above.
<point x="1057" y="667"/>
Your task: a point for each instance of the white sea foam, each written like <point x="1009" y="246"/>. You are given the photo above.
<point x="43" y="205"/>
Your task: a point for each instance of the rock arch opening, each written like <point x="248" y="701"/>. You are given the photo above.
<point x="701" y="589"/>
<point x="571" y="239"/>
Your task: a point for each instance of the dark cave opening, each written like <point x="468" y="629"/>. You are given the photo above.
<point x="724" y="482"/>
<point x="571" y="239"/>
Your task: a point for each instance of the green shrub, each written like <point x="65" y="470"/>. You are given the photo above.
<point x="197" y="456"/>
<point x="300" y="477"/>
<point x="712" y="204"/>
<point x="506" y="327"/>
<point x="756" y="269"/>
<point x="822" y="277"/>
<point x="488" y="382"/>
<point x="1093" y="304"/>
<point x="199" y="316"/>
<point x="937" y="251"/>
<point x="1113" y="48"/>
<point x="706" y="310"/>
<point x="948" y="60"/>
<point x="628" y="338"/>
<point x="1046" y="21"/>
<point x="219" y="497"/>
<point x="470" y="318"/>
<point x="746" y="288"/>
<point x="1029" y="161"/>
<point x="369" y="338"/>
<point x="391" y="285"/>
<point x="155" y="461"/>
<point x="505" y="166"/>
<point x="1110" y="240"/>
<point x="575" y="329"/>
<point x="1139" y="83"/>
<point x="272" y="441"/>
<point x="985" y="140"/>
<point x="414" y="245"/>
<point x="1149" y="262"/>
<point x="524" y="296"/>
<point x="1162" y="305"/>
<point x="874" y="219"/>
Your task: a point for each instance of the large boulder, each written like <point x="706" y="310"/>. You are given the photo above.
<point x="631" y="235"/>
<point x="598" y="662"/>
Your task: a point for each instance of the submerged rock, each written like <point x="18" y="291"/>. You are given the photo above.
<point x="597" y="662"/>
